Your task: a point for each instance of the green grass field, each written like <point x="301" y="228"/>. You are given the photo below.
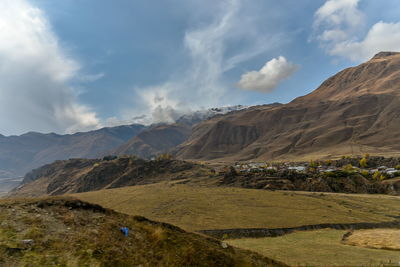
<point x="199" y="208"/>
<point x="318" y="248"/>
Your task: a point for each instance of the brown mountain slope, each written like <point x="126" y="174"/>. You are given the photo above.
<point x="355" y="111"/>
<point x="155" y="140"/>
<point x="83" y="175"/>
<point x="162" y="138"/>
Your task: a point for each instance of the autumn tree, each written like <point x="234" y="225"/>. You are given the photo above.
<point x="363" y="163"/>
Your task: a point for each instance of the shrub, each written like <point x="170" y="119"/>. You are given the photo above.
<point x="363" y="163"/>
<point x="165" y="156"/>
<point x="109" y="157"/>
<point x="376" y="175"/>
<point x="348" y="168"/>
<point x="312" y="164"/>
<point x="365" y="173"/>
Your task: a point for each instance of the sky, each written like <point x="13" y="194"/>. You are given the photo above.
<point x="72" y="65"/>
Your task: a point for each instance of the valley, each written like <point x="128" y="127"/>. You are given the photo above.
<point x="314" y="182"/>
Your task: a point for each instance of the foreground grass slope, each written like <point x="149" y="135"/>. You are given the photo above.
<point x="68" y="232"/>
<point x="318" y="248"/>
<point x="198" y="208"/>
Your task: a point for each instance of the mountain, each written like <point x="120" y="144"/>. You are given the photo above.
<point x="155" y="140"/>
<point x="69" y="232"/>
<point x="84" y="175"/>
<point x="20" y="154"/>
<point x="355" y="111"/>
<point x="162" y="138"/>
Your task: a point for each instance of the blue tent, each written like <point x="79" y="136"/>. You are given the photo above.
<point x="124" y="230"/>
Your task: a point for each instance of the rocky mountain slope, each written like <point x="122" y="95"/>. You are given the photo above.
<point x="155" y="140"/>
<point x="162" y="138"/>
<point x="354" y="112"/>
<point x="68" y="232"/>
<point x="20" y="154"/>
<point x="83" y="175"/>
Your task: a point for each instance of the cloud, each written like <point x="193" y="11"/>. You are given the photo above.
<point x="381" y="37"/>
<point x="268" y="77"/>
<point x="339" y="25"/>
<point x="35" y="73"/>
<point x="88" y="78"/>
<point x="339" y="18"/>
<point x="207" y="47"/>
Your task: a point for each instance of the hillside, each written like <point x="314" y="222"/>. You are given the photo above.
<point x="83" y="175"/>
<point x="196" y="208"/>
<point x="155" y="140"/>
<point x="20" y="154"/>
<point x="162" y="138"/>
<point x="68" y="232"/>
<point x="354" y="112"/>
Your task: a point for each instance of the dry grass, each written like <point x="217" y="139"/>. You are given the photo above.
<point x="90" y="236"/>
<point x="198" y="208"/>
<point x="376" y="238"/>
<point x="318" y="248"/>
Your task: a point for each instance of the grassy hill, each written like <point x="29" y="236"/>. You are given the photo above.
<point x="194" y="208"/>
<point x="199" y="208"/>
<point x="68" y="232"/>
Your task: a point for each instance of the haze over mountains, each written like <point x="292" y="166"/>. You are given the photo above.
<point x="19" y="154"/>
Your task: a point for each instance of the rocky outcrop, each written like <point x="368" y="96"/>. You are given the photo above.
<point x="83" y="175"/>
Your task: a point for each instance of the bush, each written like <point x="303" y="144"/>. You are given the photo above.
<point x="109" y="157"/>
<point x="348" y="168"/>
<point x="365" y="173"/>
<point x="363" y="163"/>
<point x="376" y="175"/>
<point x="165" y="156"/>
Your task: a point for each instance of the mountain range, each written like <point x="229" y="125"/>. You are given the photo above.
<point x="20" y="154"/>
<point x="353" y="112"/>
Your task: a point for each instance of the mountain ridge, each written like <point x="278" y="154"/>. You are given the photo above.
<point x="328" y="122"/>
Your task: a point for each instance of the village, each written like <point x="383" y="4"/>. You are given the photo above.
<point x="376" y="172"/>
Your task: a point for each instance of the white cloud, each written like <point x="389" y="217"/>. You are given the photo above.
<point x="381" y="37"/>
<point x="339" y="18"/>
<point x="202" y="84"/>
<point x="339" y="25"/>
<point x="268" y="77"/>
<point x="34" y="75"/>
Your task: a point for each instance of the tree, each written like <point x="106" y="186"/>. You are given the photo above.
<point x="312" y="164"/>
<point x="363" y="163"/>
<point x="376" y="175"/>
<point x="365" y="173"/>
<point x="165" y="156"/>
<point x="348" y="168"/>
